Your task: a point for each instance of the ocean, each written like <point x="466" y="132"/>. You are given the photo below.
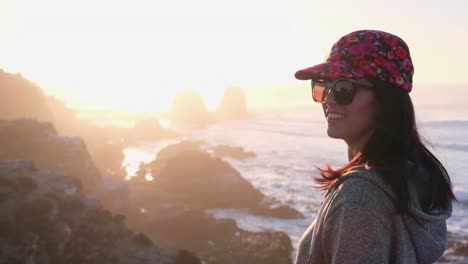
<point x="291" y="143"/>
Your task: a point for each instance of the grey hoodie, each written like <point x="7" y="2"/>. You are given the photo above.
<point x="358" y="223"/>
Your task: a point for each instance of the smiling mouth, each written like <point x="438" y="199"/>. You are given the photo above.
<point x="334" y="116"/>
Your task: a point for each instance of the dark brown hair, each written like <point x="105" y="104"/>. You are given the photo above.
<point x="397" y="152"/>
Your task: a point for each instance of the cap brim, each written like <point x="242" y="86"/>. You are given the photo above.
<point x="326" y="70"/>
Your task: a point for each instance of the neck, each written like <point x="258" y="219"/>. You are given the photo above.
<point x="357" y="145"/>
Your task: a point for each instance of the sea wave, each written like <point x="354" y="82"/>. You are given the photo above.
<point x="290" y="128"/>
<point x="447" y="123"/>
<point x="285" y="122"/>
<point x="458" y="147"/>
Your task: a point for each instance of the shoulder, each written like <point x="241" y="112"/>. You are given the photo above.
<point x="365" y="189"/>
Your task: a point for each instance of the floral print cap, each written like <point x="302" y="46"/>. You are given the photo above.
<point x="366" y="53"/>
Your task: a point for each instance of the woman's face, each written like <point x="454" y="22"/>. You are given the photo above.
<point x="353" y="122"/>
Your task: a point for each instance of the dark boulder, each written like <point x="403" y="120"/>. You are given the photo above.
<point x="186" y="174"/>
<point x="214" y="240"/>
<point x="45" y="218"/>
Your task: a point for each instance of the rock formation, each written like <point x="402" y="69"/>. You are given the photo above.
<point x="188" y="107"/>
<point x="233" y="104"/>
<point x="188" y="180"/>
<point x="186" y="174"/>
<point x="39" y="141"/>
<point x="21" y="98"/>
<point x="214" y="240"/>
<point x="153" y="206"/>
<point x="45" y="218"/>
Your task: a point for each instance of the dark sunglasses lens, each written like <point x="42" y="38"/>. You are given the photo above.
<point x="318" y="90"/>
<point x="343" y="92"/>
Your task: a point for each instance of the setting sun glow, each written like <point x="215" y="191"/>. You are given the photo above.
<point x="165" y="123"/>
<point x="133" y="158"/>
<point x="136" y="55"/>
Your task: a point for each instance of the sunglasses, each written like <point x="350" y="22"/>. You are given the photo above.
<point x="343" y="89"/>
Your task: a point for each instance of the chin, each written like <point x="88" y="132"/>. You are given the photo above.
<point x="334" y="134"/>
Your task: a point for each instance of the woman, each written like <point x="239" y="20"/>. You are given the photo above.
<point x="390" y="202"/>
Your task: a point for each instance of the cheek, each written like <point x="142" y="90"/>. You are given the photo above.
<point x="367" y="114"/>
<point x="364" y="113"/>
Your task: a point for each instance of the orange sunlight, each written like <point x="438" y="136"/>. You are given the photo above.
<point x="133" y="157"/>
<point x="165" y="123"/>
<point x="135" y="56"/>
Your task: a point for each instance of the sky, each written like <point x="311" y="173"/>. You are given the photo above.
<point x="135" y="55"/>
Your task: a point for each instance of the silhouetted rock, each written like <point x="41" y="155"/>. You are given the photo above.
<point x="233" y="152"/>
<point x="107" y="155"/>
<point x="233" y="104"/>
<point x="62" y="116"/>
<point x="113" y="193"/>
<point x="21" y="98"/>
<point x="188" y="107"/>
<point x="183" y="173"/>
<point x="44" y="218"/>
<point x="39" y="141"/>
